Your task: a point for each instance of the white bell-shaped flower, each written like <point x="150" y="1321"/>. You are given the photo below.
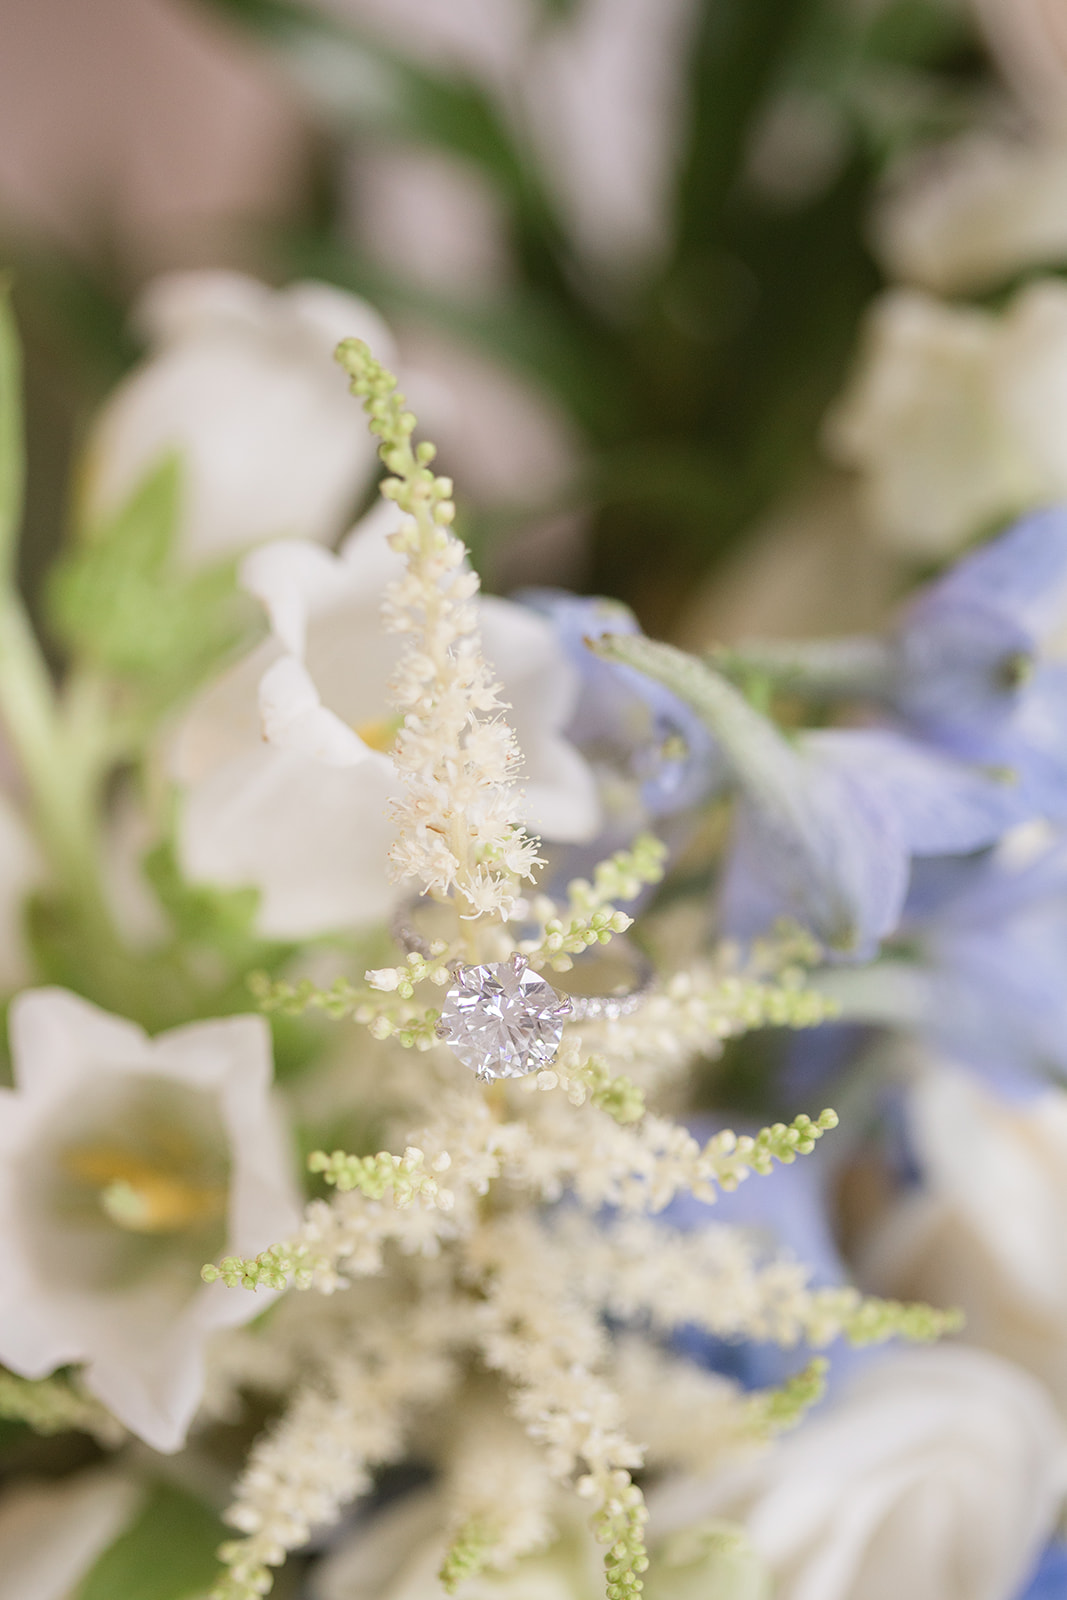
<point x="240" y="383"/>
<point x="125" y="1164"/>
<point x="286" y="761"/>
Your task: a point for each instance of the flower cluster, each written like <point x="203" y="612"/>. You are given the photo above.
<point x="766" y="869"/>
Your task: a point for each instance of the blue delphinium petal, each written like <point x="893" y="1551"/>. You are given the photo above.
<point x="836" y="859"/>
<point x="1022" y="574"/>
<point x="995" y="951"/>
<point x="825" y="825"/>
<point x="969" y="667"/>
<point x="625" y="722"/>
<point x="833" y="861"/>
<point x="1049" y="1582"/>
<point x="940" y="806"/>
<point x="958" y="667"/>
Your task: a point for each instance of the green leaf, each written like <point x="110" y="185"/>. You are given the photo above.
<point x="167" y="1554"/>
<point x="12" y="450"/>
<point x="119" y="600"/>
<point x="739" y="49"/>
<point x="222" y="918"/>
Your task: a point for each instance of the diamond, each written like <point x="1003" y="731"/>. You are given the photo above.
<point x="502" y="1021"/>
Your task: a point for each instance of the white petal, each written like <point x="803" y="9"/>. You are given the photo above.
<point x="366" y="553"/>
<point x="182" y="305"/>
<point x="295" y="719"/>
<point x="313" y="839"/>
<point x="57" y="1036"/>
<point x="293" y="580"/>
<point x="223" y="721"/>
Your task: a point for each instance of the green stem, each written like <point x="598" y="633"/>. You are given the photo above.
<point x="60" y="766"/>
<point x="847" y="668"/>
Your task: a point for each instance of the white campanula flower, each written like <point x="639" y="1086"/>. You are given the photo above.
<point x="239" y="382"/>
<point x="52" y="1533"/>
<point x="287" y="761"/>
<point x="987" y="1228"/>
<point x="128" y="1162"/>
<point x="956" y="418"/>
<point x="938" y="1475"/>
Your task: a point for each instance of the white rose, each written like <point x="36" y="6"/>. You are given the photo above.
<point x="956" y="418"/>
<point x="988" y="1229"/>
<point x="125" y="1164"/>
<point x="1029" y="39"/>
<point x="51" y="1534"/>
<point x="241" y="383"/>
<point x="286" y="761"/>
<point x="976" y="210"/>
<point x="937" y="1476"/>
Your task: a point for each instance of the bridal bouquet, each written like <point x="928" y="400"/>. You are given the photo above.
<point x="363" y="957"/>
<point x="424" y="1006"/>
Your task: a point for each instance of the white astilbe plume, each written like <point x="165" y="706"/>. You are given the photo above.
<point x="498" y="1495"/>
<point x="685" y="1415"/>
<point x="465" y="1303"/>
<point x="459" y="825"/>
<point x="352" y="1416"/>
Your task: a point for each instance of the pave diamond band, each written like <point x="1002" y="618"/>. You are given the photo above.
<point x="502" y="1019"/>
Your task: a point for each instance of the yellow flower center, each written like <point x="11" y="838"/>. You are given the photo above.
<point x="380" y="734"/>
<point x="140" y="1197"/>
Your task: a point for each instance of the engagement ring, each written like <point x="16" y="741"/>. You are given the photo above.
<point x="502" y="1019"/>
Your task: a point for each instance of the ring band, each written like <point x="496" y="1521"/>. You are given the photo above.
<point x="584" y="1008"/>
<point x="504" y="1020"/>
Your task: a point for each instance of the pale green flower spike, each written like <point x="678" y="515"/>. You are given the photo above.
<point x="53" y="1405"/>
<point x="775" y="1410"/>
<point x="469" y="1553"/>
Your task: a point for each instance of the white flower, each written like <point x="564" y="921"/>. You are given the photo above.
<point x="956" y="418"/>
<point x="988" y="1229"/>
<point x="240" y="382"/>
<point x="51" y="1534"/>
<point x="597" y="90"/>
<point x="603" y="94"/>
<point x="976" y="210"/>
<point x="1029" y="40"/>
<point x="937" y="1476"/>
<point x="127" y="1162"/>
<point x="286" y="761"/>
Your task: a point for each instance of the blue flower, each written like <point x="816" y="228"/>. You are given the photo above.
<point x="991" y="936"/>
<point x="826" y="829"/>
<point x="969" y="669"/>
<point x="825" y="824"/>
<point x="1049" y="1582"/>
<point x="653" y="754"/>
